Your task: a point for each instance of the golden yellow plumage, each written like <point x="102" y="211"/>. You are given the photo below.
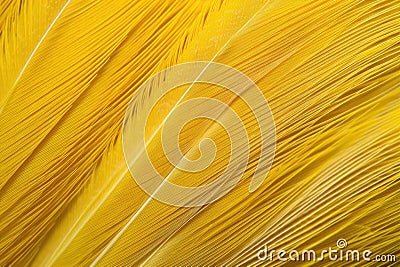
<point x="330" y="73"/>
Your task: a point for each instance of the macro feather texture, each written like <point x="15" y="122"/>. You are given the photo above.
<point x="69" y="69"/>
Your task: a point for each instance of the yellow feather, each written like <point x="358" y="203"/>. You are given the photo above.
<point x="330" y="73"/>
